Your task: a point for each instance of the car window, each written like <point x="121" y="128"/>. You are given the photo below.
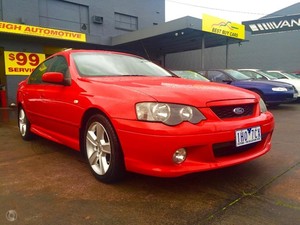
<point x="237" y="75"/>
<point x="217" y="76"/>
<point x="107" y="64"/>
<point x="275" y="75"/>
<point x="188" y="74"/>
<point x="291" y="75"/>
<point x="36" y="75"/>
<point x="254" y="75"/>
<point x="55" y="64"/>
<point x="59" y="65"/>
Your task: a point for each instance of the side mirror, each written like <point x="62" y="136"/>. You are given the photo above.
<point x="53" y="77"/>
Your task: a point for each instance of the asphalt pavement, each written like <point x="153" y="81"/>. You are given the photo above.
<point x="42" y="182"/>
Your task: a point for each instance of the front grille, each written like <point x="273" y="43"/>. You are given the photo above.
<point x="225" y="149"/>
<point x="228" y="111"/>
<point x="229" y="148"/>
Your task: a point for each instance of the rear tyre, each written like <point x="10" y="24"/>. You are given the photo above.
<point x="24" y="125"/>
<point x="102" y="149"/>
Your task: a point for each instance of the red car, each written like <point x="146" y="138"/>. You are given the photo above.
<point x="126" y="113"/>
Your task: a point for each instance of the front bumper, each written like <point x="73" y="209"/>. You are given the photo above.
<point x="149" y="147"/>
<point x="280" y="97"/>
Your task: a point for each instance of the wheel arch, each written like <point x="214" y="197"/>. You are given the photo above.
<point x="118" y="171"/>
<point x="257" y="91"/>
<point x="87" y="114"/>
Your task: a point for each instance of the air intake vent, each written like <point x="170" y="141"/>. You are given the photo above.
<point x="224" y="112"/>
<point x="97" y="19"/>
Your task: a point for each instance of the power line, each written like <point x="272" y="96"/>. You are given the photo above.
<point x="217" y="9"/>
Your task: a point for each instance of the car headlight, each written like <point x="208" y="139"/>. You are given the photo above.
<point x="170" y="114"/>
<point x="279" y="89"/>
<point x="262" y="106"/>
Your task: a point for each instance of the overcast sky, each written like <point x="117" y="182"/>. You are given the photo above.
<point x="233" y="10"/>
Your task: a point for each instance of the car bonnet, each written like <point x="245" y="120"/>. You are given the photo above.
<point x="177" y="90"/>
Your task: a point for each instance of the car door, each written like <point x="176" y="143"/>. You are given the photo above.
<point x="32" y="95"/>
<point x="62" y="113"/>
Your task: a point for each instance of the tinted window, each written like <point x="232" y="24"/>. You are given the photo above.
<point x="59" y="64"/>
<point x="36" y="76"/>
<point x="55" y="64"/>
<point x="217" y="76"/>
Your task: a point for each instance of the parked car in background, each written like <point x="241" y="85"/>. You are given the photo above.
<point x="256" y="74"/>
<point x="263" y="75"/>
<point x="189" y="74"/>
<point x="296" y="73"/>
<point x="282" y="75"/>
<point x="126" y="113"/>
<point x="273" y="93"/>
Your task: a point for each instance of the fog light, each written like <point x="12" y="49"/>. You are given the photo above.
<point x="179" y="156"/>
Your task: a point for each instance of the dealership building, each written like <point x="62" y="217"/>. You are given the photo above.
<point x="271" y="43"/>
<point x="31" y="30"/>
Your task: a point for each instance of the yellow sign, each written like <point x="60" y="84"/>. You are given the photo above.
<point x="41" y="32"/>
<point x="223" y="27"/>
<point x="21" y="63"/>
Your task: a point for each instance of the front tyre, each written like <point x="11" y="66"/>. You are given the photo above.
<point x="24" y="125"/>
<point x="102" y="149"/>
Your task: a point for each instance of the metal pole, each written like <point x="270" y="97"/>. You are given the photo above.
<point x="202" y="51"/>
<point x="227" y="46"/>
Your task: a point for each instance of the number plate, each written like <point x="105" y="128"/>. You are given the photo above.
<point x="247" y="136"/>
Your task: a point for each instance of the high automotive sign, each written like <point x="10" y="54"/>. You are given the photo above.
<point x="276" y="24"/>
<point x="41" y="32"/>
<point x="223" y="27"/>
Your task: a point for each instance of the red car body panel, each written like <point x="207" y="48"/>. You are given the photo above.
<point x="155" y="157"/>
<point x="56" y="112"/>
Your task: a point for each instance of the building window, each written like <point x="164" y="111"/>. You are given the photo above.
<point x="64" y="15"/>
<point x="126" y="22"/>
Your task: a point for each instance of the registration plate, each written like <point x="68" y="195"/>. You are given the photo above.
<point x="247" y="136"/>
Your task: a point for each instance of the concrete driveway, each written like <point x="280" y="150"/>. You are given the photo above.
<point x="45" y="183"/>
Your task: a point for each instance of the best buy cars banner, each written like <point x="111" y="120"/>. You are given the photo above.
<point x="223" y="27"/>
<point x="41" y="32"/>
<point x="21" y="63"/>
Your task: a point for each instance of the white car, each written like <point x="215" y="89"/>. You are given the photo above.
<point x="264" y="75"/>
<point x="282" y="75"/>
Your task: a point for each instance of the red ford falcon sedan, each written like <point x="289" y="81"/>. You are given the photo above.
<point x="125" y="113"/>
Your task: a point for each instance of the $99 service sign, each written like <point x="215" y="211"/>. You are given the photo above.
<point x="21" y="63"/>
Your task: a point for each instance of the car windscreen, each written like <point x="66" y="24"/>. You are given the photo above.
<point x="190" y="75"/>
<point x="237" y="75"/>
<point x="291" y="76"/>
<point x="253" y="75"/>
<point x="110" y="64"/>
<point x="275" y="75"/>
